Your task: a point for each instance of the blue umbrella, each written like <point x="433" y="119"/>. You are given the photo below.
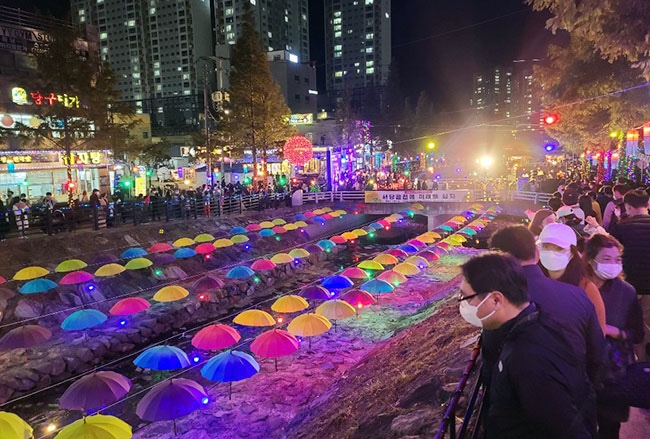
<point x="37" y="286"/>
<point x="337" y="282"/>
<point x="408" y="248"/>
<point x="162" y="358"/>
<point x="266" y="233"/>
<point x="468" y="232"/>
<point x="238" y="231"/>
<point x="377" y="286"/>
<point x="134" y="252"/>
<point x="326" y="244"/>
<point x="184" y="253"/>
<point x="83" y="319"/>
<point x="299" y="217"/>
<point x="240" y="272"/>
<point x="230" y="366"/>
<point x="319" y="219"/>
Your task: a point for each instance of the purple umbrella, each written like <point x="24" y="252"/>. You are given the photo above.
<point x="207" y="283"/>
<point x="163" y="259"/>
<point x="24" y="337"/>
<point x="314" y="248"/>
<point x="104" y="259"/>
<point x="95" y="390"/>
<point x="315" y="292"/>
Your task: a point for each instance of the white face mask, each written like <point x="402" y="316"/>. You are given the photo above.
<point x="469" y="312"/>
<point x="607" y="271"/>
<point x="553" y="260"/>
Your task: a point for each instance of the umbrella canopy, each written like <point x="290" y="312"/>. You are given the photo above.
<point x="70" y="265"/>
<point x="170" y="400"/>
<point x="183" y="242"/>
<point x="348" y="236"/>
<point x="432" y="234"/>
<point x="457" y="238"/>
<point x="309" y="325"/>
<point x="230" y="366"/>
<point x="300" y="224"/>
<point x="417" y="206"/>
<point x="444" y="245"/>
<point x="319" y="219"/>
<point x="138" y="264"/>
<point x="266" y="225"/>
<point x="160" y="247"/>
<point x="134" y="252"/>
<point x="170" y="293"/>
<point x="207" y="283"/>
<point x="358" y="298"/>
<point x="326" y="209"/>
<point x="376" y="225"/>
<point x="223" y="242"/>
<point x="254" y="317"/>
<point x="438" y="250"/>
<point x="275" y="343"/>
<point x="215" y="337"/>
<point x="384" y="223"/>
<point x="310" y="214"/>
<point x="299" y="217"/>
<point x="289" y="303"/>
<point x="279" y="222"/>
<point x="162" y="358"/>
<point x="83" y="319"/>
<point x="314" y="248"/>
<point x="204" y="237"/>
<point x="339" y="239"/>
<point x="390" y="219"/>
<point x="76" y="277"/>
<point x="184" y="253"/>
<point x="359" y="232"/>
<point x="336" y="310"/>
<point x="429" y="255"/>
<point x="95" y="390"/>
<point x="2" y="280"/>
<point x="163" y="259"/>
<point x="204" y="248"/>
<point x="318" y="211"/>
<point x="254" y="227"/>
<point x="407" y="269"/>
<point x="398" y="253"/>
<point x="289" y="227"/>
<point x="37" y="286"/>
<point x="327" y="216"/>
<point x="279" y="229"/>
<point x="315" y="292"/>
<point x="337" y="282"/>
<point x="111" y="269"/>
<point x="299" y="253"/>
<point x="445" y="228"/>
<point x="104" y="259"/>
<point x="416" y="243"/>
<point x="129" y="306"/>
<point x="24" y="337"/>
<point x="355" y="273"/>
<point x="408" y="248"/>
<point x="326" y="244"/>
<point x="13" y="427"/>
<point x="238" y="231"/>
<point x="265" y="233"/>
<point x="282" y="258"/>
<point x="263" y="265"/>
<point x="377" y="286"/>
<point x="468" y="231"/>
<point x="370" y="265"/>
<point x="240" y="272"/>
<point x="418" y="261"/>
<point x="239" y="239"/>
<point x="424" y="238"/>
<point x="29" y="273"/>
<point x="386" y="259"/>
<point x="392" y="277"/>
<point x="96" y="427"/>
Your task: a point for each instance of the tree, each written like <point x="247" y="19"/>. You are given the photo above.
<point x="618" y="29"/>
<point x="259" y="116"/>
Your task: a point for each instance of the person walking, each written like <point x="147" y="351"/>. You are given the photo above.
<point x="4" y="221"/>
<point x="21" y="210"/>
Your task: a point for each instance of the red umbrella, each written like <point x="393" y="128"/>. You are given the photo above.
<point x="204" y="248"/>
<point x="358" y="299"/>
<point x="444" y="245"/>
<point x="338" y="239"/>
<point x="24" y="337"/>
<point x="263" y="265"/>
<point x="76" y="277"/>
<point x="275" y="343"/>
<point x="384" y="223"/>
<point x="310" y="214"/>
<point x="326" y="216"/>
<point x="398" y="253"/>
<point x="160" y="247"/>
<point x="128" y="306"/>
<point x="2" y="280"/>
<point x="215" y="337"/>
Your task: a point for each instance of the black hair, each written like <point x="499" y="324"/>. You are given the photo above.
<point x="497" y="272"/>
<point x="636" y="198"/>
<point x="554" y="204"/>
<point x="517" y="241"/>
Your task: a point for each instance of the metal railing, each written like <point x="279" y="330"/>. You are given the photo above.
<point x="331" y="196"/>
<point x="535" y="197"/>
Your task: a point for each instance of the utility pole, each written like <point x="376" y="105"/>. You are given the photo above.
<point x="206" y="112"/>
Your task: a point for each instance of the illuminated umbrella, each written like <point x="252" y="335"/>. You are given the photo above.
<point x="418" y="261"/>
<point x="129" y="306"/>
<point x="207" y="283"/>
<point x="348" y="236"/>
<point x="314" y="248"/>
<point x="337" y="282"/>
<point x="358" y="299"/>
<point x="171" y="399"/>
<point x="70" y="265"/>
<point x="254" y="227"/>
<point x="230" y="366"/>
<point x="426" y="239"/>
<point x="263" y="265"/>
<point x="289" y="227"/>
<point x="204" y="237"/>
<point x="95" y="390"/>
<point x="408" y="248"/>
<point x="397" y="216"/>
<point x="29" y="273"/>
<point x="444" y="245"/>
<point x="170" y="293"/>
<point x="386" y="259"/>
<point x="266" y="225"/>
<point x="24" y="337"/>
<point x="417" y="206"/>
<point x="76" y="277"/>
<point x="359" y="232"/>
<point x="384" y="223"/>
<point x="310" y="214"/>
<point x="279" y="222"/>
<point x="37" y="286"/>
<point x="83" y="319"/>
<point x="336" y="310"/>
<point x="239" y="239"/>
<point x="376" y="225"/>
<point x="240" y="272"/>
<point x="282" y="258"/>
<point x="13" y="427"/>
<point x="299" y="217"/>
<point x="409" y="212"/>
<point x="416" y="243"/>
<point x="238" y="231"/>
<point x="299" y="253"/>
<point x="275" y="343"/>
<point x="433" y="235"/>
<point x="339" y="239"/>
<point x="390" y="219"/>
<point x="183" y="242"/>
<point x="457" y="238"/>
<point x="104" y="259"/>
<point x="138" y="264"/>
<point x="96" y="427"/>
<point x="215" y="337"/>
<point x="160" y="247"/>
<point x="355" y="273"/>
<point x="134" y="252"/>
<point x="446" y="228"/>
<point x="406" y="269"/>
<point x="371" y="265"/>
<point x="326" y="209"/>
<point x="265" y="233"/>
<point x="300" y="224"/>
<point x="327" y="216"/>
<point x="319" y="219"/>
<point x="254" y="317"/>
<point x="429" y="255"/>
<point x="279" y="229"/>
<point x="377" y="286"/>
<point x="223" y="242"/>
<point x="162" y="358"/>
<point x="326" y="244"/>
<point x="392" y="277"/>
<point x="438" y="250"/>
<point x="315" y="292"/>
<point x="2" y="280"/>
<point x="398" y="253"/>
<point x="204" y="248"/>
<point x="289" y="303"/>
<point x="318" y="211"/>
<point x="184" y="253"/>
<point x="467" y="231"/>
<point x="309" y="325"/>
<point x="163" y="259"/>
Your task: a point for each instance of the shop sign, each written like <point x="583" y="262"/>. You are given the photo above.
<point x="301" y="119"/>
<point x="84" y="158"/>
<point x="417" y="196"/>
<point x="19" y="96"/>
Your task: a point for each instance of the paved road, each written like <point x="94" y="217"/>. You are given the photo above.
<point x="637" y="427"/>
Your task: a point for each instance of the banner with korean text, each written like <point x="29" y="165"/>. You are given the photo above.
<point x="417" y="196"/>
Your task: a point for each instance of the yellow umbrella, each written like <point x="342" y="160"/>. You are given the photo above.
<point x="282" y="258"/>
<point x="432" y="235"/>
<point x="418" y="261"/>
<point x="290" y="303"/>
<point x="29" y="273"/>
<point x="279" y="222"/>
<point x="223" y="242"/>
<point x="254" y="317"/>
<point x="289" y="227"/>
<point x="319" y="212"/>
<point x="386" y="259"/>
<point x="238" y="239"/>
<point x="96" y="427"/>
<point x="299" y="253"/>
<point x="349" y="235"/>
<point x="183" y="242"/>
<point x="406" y="269"/>
<point x="452" y="242"/>
<point x="204" y="237"/>
<point x="70" y="265"/>
<point x="371" y="265"/>
<point x="426" y="238"/>
<point x="13" y="427"/>
<point x="300" y="224"/>
<point x="390" y="219"/>
<point x="460" y="218"/>
<point x="138" y="263"/>
<point x="267" y="225"/>
<point x="326" y="209"/>
<point x="170" y="293"/>
<point x="309" y="325"/>
<point x="109" y="270"/>
<point x="457" y="238"/>
<point x="359" y="232"/>
<point x="342" y="212"/>
<point x="417" y="206"/>
<point x="336" y="309"/>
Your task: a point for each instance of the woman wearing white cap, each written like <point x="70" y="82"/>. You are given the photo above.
<point x="560" y="260"/>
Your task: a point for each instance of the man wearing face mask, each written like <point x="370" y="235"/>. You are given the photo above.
<point x="539" y="389"/>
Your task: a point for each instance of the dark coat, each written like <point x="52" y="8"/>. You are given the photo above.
<point x="634" y="234"/>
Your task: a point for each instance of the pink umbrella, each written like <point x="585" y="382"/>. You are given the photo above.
<point x="24" y="337"/>
<point x="263" y="265"/>
<point x="355" y="273"/>
<point x="392" y="277"/>
<point x="76" y="277"/>
<point x="2" y="280"/>
<point x="384" y="223"/>
<point x="275" y="343"/>
<point x="358" y="299"/>
<point x="128" y="306"/>
<point x="279" y="229"/>
<point x="338" y="239"/>
<point x="160" y="247"/>
<point x="215" y="337"/>
<point x="429" y="255"/>
<point x="326" y="216"/>
<point x="444" y="245"/>
<point x="309" y="214"/>
<point x="204" y="248"/>
<point x="416" y="242"/>
<point x="397" y="253"/>
<point x="95" y="390"/>
<point x="253" y="227"/>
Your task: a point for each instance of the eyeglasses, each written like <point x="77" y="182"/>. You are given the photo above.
<point x="471" y="296"/>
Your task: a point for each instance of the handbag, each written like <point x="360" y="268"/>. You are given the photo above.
<point x="626" y="381"/>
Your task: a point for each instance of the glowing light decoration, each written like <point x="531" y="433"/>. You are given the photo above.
<point x="298" y="150"/>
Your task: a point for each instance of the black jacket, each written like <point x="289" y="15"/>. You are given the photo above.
<point x="634" y="234"/>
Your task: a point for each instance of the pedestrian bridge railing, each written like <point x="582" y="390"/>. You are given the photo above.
<point x="535" y="197"/>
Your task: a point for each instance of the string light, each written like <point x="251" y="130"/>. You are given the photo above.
<point x="298" y="150"/>
<point x="50" y="428"/>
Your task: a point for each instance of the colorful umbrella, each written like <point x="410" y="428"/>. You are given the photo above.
<point x="392" y="277"/>
<point x="163" y="259"/>
<point x="318" y="211"/>
<point x="230" y="366"/>
<point x="37" y="286"/>
<point x="95" y="390"/>
<point x="266" y="225"/>
<point x="384" y="223"/>
<point x="310" y="214"/>
<point x="70" y="265"/>
<point x="215" y="337"/>
<point x="253" y="227"/>
<point x="376" y="225"/>
<point x="2" y="280"/>
<point x="299" y="253"/>
<point x="13" y="427"/>
<point x="347" y="236"/>
<point x="446" y="228"/>
<point x="336" y="310"/>
<point x="358" y="299"/>
<point x="183" y="242"/>
<point x="204" y="248"/>
<point x="468" y="231"/>
<point x="223" y="242"/>
<point x="327" y="216"/>
<point x="417" y="206"/>
<point x="134" y="252"/>
<point x="160" y="247"/>
<point x="319" y="219"/>
<point x="111" y="269"/>
<point x="315" y="292"/>
<point x="239" y="239"/>
<point x="444" y="245"/>
<point x="282" y="258"/>
<point x="76" y="277"/>
<point x="370" y="265"/>
<point x="96" y="427"/>
<point x="386" y="259"/>
<point x="254" y="317"/>
<point x="438" y="250"/>
<point x="429" y="255"/>
<point x="170" y="293"/>
<point x="29" y="273"/>
<point x="309" y="325"/>
<point x="326" y="244"/>
<point x="314" y="248"/>
<point x="390" y="219"/>
<point x="184" y="253"/>
<point x="337" y="282"/>
<point x="263" y="265"/>
<point x="289" y="303"/>
<point x="207" y="283"/>
<point x="138" y="264"/>
<point x="424" y="238"/>
<point x="432" y="235"/>
<point x="416" y="243"/>
<point x="279" y="229"/>
<point x="289" y="227"/>
<point x="418" y="261"/>
<point x="457" y="238"/>
<point x="83" y="319"/>
<point x="129" y="306"/>
<point x="355" y="273"/>
<point x="238" y="231"/>
<point x="204" y="237"/>
<point x="408" y="248"/>
<point x="275" y="343"/>
<point x="265" y="233"/>
<point x="239" y="272"/>
<point x="104" y="259"/>
<point x="407" y="269"/>
<point x="326" y="209"/>
<point x="279" y="222"/>
<point x="377" y="286"/>
<point x="24" y="337"/>
<point x="300" y="224"/>
<point x="359" y="232"/>
<point x="340" y="239"/>
<point x="398" y="253"/>
<point x="162" y="358"/>
<point x="299" y="217"/>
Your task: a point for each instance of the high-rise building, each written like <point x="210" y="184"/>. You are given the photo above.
<point x="297" y="81"/>
<point x="357" y="50"/>
<point x="493" y="94"/>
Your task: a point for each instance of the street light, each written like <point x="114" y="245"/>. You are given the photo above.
<point x="486" y="162"/>
<point x="431" y="145"/>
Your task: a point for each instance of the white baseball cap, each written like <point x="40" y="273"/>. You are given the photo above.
<point x="558" y="234"/>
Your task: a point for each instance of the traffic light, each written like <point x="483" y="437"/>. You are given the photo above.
<point x="551" y="119"/>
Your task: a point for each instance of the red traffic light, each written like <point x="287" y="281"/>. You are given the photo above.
<point x="551" y="119"/>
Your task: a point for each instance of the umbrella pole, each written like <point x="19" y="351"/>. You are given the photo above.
<point x="334" y="325"/>
<point x="310" y="343"/>
<point x="175" y="431"/>
<point x="276" y="363"/>
<point x="230" y="391"/>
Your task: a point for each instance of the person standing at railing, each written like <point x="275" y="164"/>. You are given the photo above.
<point x="21" y="211"/>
